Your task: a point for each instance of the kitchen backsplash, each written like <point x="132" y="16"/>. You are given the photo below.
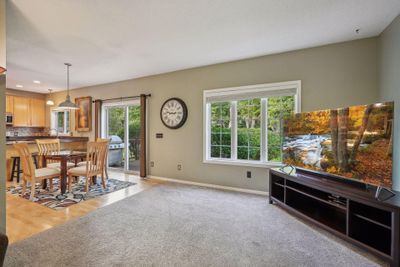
<point x="25" y="131"/>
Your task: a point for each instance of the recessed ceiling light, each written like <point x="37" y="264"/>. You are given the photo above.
<point x="19" y="86"/>
<point x="37" y="82"/>
<point x="358" y="31"/>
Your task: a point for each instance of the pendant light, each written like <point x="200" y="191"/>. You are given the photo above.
<point x="2" y="70"/>
<point x="67" y="104"/>
<point x="50" y="101"/>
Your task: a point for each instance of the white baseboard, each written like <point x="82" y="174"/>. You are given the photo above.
<point x="237" y="189"/>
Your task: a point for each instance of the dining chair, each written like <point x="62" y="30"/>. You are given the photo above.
<point x="95" y="154"/>
<point x="106" y="140"/>
<point x="47" y="147"/>
<point x="30" y="174"/>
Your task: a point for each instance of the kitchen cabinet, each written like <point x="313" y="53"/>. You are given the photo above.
<point x="22" y="117"/>
<point x="9" y="104"/>
<point x="29" y="112"/>
<point x="37" y="112"/>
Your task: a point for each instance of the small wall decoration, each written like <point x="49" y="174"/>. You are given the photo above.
<point x="83" y="116"/>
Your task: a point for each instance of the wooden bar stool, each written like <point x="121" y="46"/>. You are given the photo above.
<point x="16" y="167"/>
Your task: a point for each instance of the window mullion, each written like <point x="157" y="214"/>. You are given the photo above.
<point x="264" y="130"/>
<point x="208" y="127"/>
<point x="234" y="130"/>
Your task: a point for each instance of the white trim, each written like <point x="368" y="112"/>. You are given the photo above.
<point x="248" y="90"/>
<point x="215" y="186"/>
<point x="263" y="130"/>
<point x="256" y="87"/>
<point x="122" y="103"/>
<point x="54" y="120"/>
<point x="233" y="131"/>
<point x="244" y="163"/>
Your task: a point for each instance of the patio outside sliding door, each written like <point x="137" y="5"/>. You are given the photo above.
<point x="121" y="124"/>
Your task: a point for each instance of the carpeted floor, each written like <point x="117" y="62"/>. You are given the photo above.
<point x="179" y="225"/>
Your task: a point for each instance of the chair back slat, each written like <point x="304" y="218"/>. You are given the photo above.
<point x="48" y="147"/>
<point x="28" y="167"/>
<point x="96" y="152"/>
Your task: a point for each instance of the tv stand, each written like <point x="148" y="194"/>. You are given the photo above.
<point x="350" y="212"/>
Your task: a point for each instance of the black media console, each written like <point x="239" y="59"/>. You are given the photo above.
<point x="346" y="210"/>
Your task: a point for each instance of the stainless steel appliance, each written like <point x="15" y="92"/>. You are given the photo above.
<point x="9" y="119"/>
<point x="115" y="152"/>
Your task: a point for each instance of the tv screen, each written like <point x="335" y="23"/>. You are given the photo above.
<point x="354" y="142"/>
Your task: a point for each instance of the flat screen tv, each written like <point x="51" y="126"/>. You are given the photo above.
<point x="354" y="142"/>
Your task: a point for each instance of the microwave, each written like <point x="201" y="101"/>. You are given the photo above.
<point x="9" y="119"/>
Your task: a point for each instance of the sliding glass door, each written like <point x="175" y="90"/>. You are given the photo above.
<point x="121" y="124"/>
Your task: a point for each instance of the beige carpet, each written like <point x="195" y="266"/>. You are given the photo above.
<point x="179" y="225"/>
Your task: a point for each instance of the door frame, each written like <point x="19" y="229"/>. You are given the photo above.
<point x="104" y="127"/>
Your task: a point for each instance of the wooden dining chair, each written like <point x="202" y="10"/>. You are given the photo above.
<point x="96" y="152"/>
<point x="47" y="147"/>
<point x="106" y="140"/>
<point x="30" y="174"/>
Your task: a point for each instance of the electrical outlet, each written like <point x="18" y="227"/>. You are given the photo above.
<point x="151" y="163"/>
<point x="179" y="167"/>
<point x="248" y="174"/>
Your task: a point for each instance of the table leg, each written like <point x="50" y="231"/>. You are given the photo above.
<point x="63" y="176"/>
<point x="43" y="163"/>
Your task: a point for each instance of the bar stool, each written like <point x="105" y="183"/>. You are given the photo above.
<point x="16" y="167"/>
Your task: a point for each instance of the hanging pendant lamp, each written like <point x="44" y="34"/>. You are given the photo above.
<point x="67" y="104"/>
<point x="50" y="101"/>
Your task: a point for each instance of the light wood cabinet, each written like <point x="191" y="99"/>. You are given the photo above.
<point x="29" y="112"/>
<point x="22" y="118"/>
<point x="9" y="104"/>
<point x="37" y="112"/>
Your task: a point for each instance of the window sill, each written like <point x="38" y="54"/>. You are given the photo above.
<point x="244" y="163"/>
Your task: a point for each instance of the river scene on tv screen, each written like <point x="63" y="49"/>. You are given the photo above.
<point x="354" y="142"/>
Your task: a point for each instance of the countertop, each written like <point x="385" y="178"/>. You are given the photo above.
<point x="10" y="140"/>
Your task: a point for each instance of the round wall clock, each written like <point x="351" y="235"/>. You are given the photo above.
<point x="173" y="113"/>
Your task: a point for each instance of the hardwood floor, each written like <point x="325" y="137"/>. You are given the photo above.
<point x="25" y="218"/>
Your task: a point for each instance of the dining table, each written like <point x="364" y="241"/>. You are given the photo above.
<point x="64" y="157"/>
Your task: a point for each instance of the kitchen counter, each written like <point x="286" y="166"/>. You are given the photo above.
<point x="67" y="143"/>
<point x="10" y="140"/>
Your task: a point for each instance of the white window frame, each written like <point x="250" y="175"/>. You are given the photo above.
<point x="54" y="121"/>
<point x="249" y="90"/>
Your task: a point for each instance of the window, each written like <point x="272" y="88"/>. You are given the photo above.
<point x="221" y="130"/>
<point x="243" y="125"/>
<point x="60" y="121"/>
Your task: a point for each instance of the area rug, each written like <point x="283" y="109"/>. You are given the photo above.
<point x="180" y="225"/>
<point x="56" y="201"/>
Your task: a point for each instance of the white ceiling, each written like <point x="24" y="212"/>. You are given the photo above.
<point x="112" y="40"/>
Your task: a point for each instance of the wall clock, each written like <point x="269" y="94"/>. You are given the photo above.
<point x="174" y="113"/>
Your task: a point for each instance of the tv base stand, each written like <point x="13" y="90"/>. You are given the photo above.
<point x="352" y="213"/>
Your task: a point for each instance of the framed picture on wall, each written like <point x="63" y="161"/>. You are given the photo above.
<point x="83" y="116"/>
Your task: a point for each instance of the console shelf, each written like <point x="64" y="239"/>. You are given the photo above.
<point x="351" y="213"/>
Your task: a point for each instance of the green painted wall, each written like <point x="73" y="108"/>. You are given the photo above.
<point x="389" y="81"/>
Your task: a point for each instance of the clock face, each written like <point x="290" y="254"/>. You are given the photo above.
<point x="173" y="113"/>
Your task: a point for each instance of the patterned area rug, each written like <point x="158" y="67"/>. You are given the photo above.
<point x="57" y="201"/>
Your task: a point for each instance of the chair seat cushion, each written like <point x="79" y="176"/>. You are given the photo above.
<point x="57" y="165"/>
<point x="82" y="163"/>
<point x="44" y="172"/>
<point x="81" y="171"/>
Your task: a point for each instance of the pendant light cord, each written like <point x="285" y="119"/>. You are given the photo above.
<point x="68" y="65"/>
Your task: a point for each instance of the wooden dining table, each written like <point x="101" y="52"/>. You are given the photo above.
<point x="64" y="157"/>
